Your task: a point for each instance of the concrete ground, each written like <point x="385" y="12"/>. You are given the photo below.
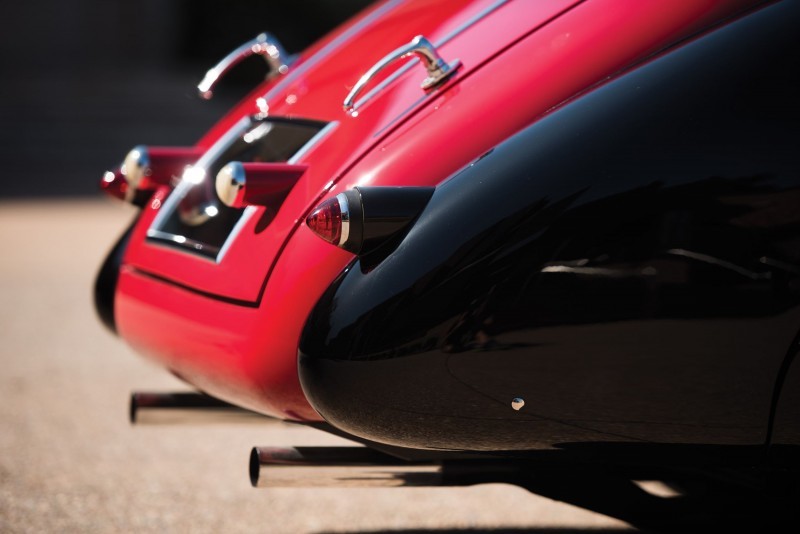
<point x="70" y="461"/>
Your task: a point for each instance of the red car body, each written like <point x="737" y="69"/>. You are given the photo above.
<point x="580" y="252"/>
<point x="231" y="328"/>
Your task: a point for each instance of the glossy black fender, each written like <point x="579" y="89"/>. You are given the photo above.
<point x="628" y="267"/>
<point x="105" y="284"/>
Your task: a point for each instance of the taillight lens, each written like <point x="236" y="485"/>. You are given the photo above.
<point x="114" y="184"/>
<point x="363" y="219"/>
<point x="328" y="222"/>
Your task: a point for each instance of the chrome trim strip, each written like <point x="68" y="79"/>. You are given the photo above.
<point x="186" y="243"/>
<point x="246" y="215"/>
<point x="249" y="210"/>
<point x="344" y="208"/>
<point x="313" y="142"/>
<point x="441" y="42"/>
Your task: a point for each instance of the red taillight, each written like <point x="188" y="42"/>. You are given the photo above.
<point x="114" y="184"/>
<point x="326" y="220"/>
<point x="363" y="219"/>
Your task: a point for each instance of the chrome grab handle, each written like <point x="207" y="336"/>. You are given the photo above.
<point x="438" y="69"/>
<point x="265" y="45"/>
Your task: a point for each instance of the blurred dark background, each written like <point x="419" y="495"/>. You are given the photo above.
<point x="84" y="81"/>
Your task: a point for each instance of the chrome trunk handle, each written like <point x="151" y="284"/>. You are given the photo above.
<point x="438" y="69"/>
<point x="265" y="45"/>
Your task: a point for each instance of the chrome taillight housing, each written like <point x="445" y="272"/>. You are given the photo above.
<point x="362" y="219"/>
<point x="261" y="184"/>
<point x="146" y="168"/>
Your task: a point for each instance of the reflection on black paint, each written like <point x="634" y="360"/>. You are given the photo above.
<point x="630" y="266"/>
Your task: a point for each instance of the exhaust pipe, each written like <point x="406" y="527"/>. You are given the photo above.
<point x="321" y="467"/>
<point x="150" y="408"/>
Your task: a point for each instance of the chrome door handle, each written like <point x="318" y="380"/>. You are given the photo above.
<point x="438" y="69"/>
<point x="265" y="45"/>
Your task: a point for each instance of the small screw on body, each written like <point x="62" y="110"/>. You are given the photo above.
<point x="517" y="403"/>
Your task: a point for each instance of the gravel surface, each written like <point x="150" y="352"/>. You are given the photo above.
<point x="70" y="462"/>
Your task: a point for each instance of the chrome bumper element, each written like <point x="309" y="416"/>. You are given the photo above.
<point x="188" y="408"/>
<point x="321" y="467"/>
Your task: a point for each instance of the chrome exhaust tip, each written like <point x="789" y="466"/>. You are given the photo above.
<point x="152" y="408"/>
<point x="327" y="467"/>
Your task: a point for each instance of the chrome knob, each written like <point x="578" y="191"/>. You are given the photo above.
<point x="230" y="184"/>
<point x="135" y="167"/>
<point x="261" y="184"/>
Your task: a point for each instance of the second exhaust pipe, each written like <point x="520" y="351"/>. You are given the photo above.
<point x="187" y="407"/>
<point x="337" y="467"/>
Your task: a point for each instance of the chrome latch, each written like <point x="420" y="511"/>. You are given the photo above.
<point x="265" y="45"/>
<point x="438" y="69"/>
